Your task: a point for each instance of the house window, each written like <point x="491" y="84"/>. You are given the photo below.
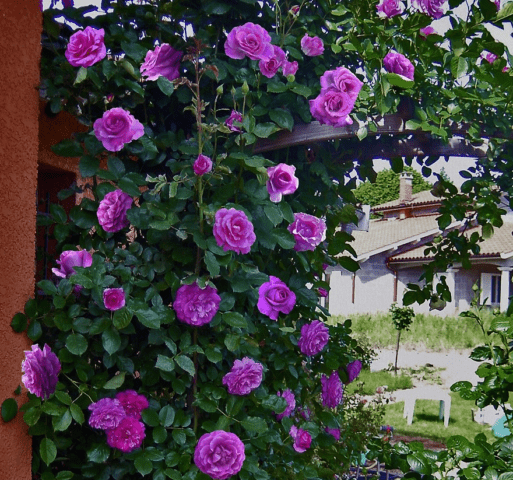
<point x="490" y="289"/>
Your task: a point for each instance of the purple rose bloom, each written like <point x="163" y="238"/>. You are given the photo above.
<point x="244" y="377"/>
<point x="309" y="231"/>
<point x="270" y="67"/>
<point x="164" y="60"/>
<point x="219" y="454"/>
<point x="202" y="165"/>
<point x="249" y="40"/>
<point x="70" y="259"/>
<point x="113" y="298"/>
<point x="332" y="107"/>
<point x="335" y="432"/>
<point x="106" y="414"/>
<point x="302" y="439"/>
<point x="40" y="371"/>
<point x="314" y="337"/>
<point x="390" y="8"/>
<point x="424" y="32"/>
<point x="343" y="80"/>
<point x="127" y="436"/>
<point x="332" y="390"/>
<point x="112" y="211"/>
<point x="397" y="63"/>
<point x="86" y="47"/>
<point x="117" y="127"/>
<point x="323" y="292"/>
<point x="282" y="181"/>
<point x="288" y="395"/>
<point x="353" y="369"/>
<point x="233" y="230"/>
<point x="312" y="46"/>
<point x="234" y="117"/>
<point x="67" y="3"/>
<point x="289" y="68"/>
<point x="132" y="403"/>
<point x="497" y="4"/>
<point x="490" y="57"/>
<point x="433" y="8"/>
<point x="196" y="306"/>
<point x="274" y="297"/>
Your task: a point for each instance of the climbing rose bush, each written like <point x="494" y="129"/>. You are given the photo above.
<point x="397" y="63"/>
<point x="270" y="67"/>
<point x="86" y="47"/>
<point x="308" y="231"/>
<point x="313" y="339"/>
<point x="196" y="306"/>
<point x="106" y="413"/>
<point x="202" y="165"/>
<point x="390" y="8"/>
<point x="127" y="436"/>
<point x="40" y="371"/>
<point x="112" y="211"/>
<point x="113" y="298"/>
<point x="234" y="117"/>
<point x="69" y="259"/>
<point x="332" y="390"/>
<point x="219" y="454"/>
<point x="290" y="398"/>
<point x="353" y="370"/>
<point x="233" y="230"/>
<point x="433" y="8"/>
<point x="244" y="376"/>
<point x="282" y="181"/>
<point x="274" y="297"/>
<point x="164" y="61"/>
<point x="312" y="46"/>
<point x="302" y="439"/>
<point x="249" y="40"/>
<point x="116" y="128"/>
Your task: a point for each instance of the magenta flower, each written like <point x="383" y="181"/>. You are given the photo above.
<point x="40" y="371"/>
<point x="309" y="231"/>
<point x="86" y="47"/>
<point x="290" y="398"/>
<point x="490" y="57"/>
<point x="249" y="40"/>
<point x="274" y="297"/>
<point x="314" y="337"/>
<point x="112" y="211"/>
<point x="353" y="369"/>
<point x="113" y="298"/>
<point x="342" y="80"/>
<point x="233" y="230"/>
<point x="312" y="46"/>
<point x="219" y="454"/>
<point x="497" y="4"/>
<point x="332" y="107"/>
<point x="323" y="292"/>
<point x="397" y="63"/>
<point x="424" y="32"/>
<point x="196" y="306"/>
<point x="270" y="67"/>
<point x="106" y="413"/>
<point x="244" y="377"/>
<point x="332" y="390"/>
<point x="390" y="8"/>
<point x="433" y="8"/>
<point x="202" y="165"/>
<point x="234" y="117"/>
<point x="127" y="436"/>
<point x="132" y="403"/>
<point x="335" y="432"/>
<point x="289" y="68"/>
<point x="164" y="60"/>
<point x="70" y="259"/>
<point x="282" y="181"/>
<point x="117" y="127"/>
<point x="302" y="439"/>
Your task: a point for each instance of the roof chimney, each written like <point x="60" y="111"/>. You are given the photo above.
<point x="405" y="187"/>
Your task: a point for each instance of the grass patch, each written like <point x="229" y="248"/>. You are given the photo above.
<point x="368" y="382"/>
<point x="429" y="332"/>
<point x="427" y="424"/>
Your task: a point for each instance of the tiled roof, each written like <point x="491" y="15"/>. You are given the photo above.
<point x="420" y="198"/>
<point x="499" y="245"/>
<point x="386" y="234"/>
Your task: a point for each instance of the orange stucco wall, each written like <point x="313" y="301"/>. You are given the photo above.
<point x="20" y="24"/>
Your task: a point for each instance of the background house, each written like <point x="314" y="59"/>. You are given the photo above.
<point x="391" y="255"/>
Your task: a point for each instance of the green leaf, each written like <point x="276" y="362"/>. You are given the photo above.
<point x="68" y="148"/>
<point x="179" y="437"/>
<point x="48" y="287"/>
<point x="19" y="322"/>
<point x="99" y="453"/>
<point x="129" y="186"/>
<point x="64" y="475"/>
<point x="81" y="75"/>
<point x="212" y="264"/>
<point x="186" y="364"/>
<point x="254" y="424"/>
<point x="273" y="213"/>
<point x="235" y="319"/>
<point x="167" y="416"/>
<point x="9" y="409"/>
<point x="165" y="85"/>
<point x="115" y="382"/>
<point x="47" y="450"/>
<point x="76" y="343"/>
<point x="88" y="166"/>
<point x="148" y="318"/>
<point x="282" y="118"/>
<point x="143" y="465"/>
<point x="399" y="80"/>
<point x="459" y="67"/>
<point x="159" y="435"/>
<point x="60" y="424"/>
<point x="121" y="318"/>
<point x="79" y="279"/>
<point x="165" y="363"/>
<point x="232" y="342"/>
<point x="116" y="166"/>
<point x="34" y="331"/>
<point x="77" y="413"/>
<point x="505" y="12"/>
<point x="419" y="464"/>
<point x="213" y="355"/>
<point x="264" y="130"/>
<point x="111" y="340"/>
<point x="284" y="238"/>
<point x="63" y="397"/>
<point x="134" y="50"/>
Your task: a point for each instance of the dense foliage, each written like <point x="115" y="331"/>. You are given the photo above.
<point x="200" y="297"/>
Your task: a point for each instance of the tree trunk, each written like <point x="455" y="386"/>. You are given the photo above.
<point x="397" y="350"/>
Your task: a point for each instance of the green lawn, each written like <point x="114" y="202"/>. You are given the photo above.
<point x="373" y="380"/>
